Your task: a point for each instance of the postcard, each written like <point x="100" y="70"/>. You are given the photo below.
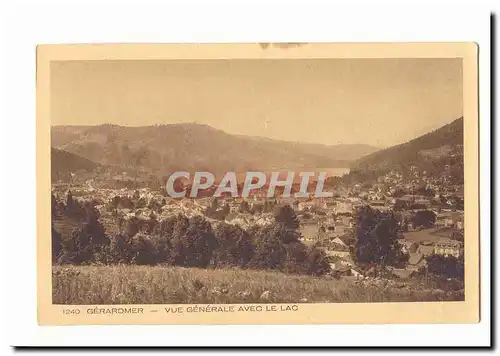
<point x="257" y="183"/>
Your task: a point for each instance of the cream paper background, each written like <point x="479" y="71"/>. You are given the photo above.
<point x="426" y="312"/>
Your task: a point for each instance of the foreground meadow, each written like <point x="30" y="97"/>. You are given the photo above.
<point x="126" y="284"/>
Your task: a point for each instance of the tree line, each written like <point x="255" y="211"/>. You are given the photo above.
<point x="196" y="242"/>
<point x="376" y="245"/>
<point x="188" y="242"/>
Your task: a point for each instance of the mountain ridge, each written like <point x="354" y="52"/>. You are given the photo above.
<point x="195" y="147"/>
<point x="64" y="163"/>
<point x="443" y="146"/>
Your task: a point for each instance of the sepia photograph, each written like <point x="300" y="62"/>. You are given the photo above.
<point x="245" y="175"/>
<point x="216" y="184"/>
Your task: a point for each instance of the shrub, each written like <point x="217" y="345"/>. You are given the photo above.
<point x="193" y="242"/>
<point x="317" y="262"/>
<point x="376" y="239"/>
<point x="234" y="246"/>
<point x="446" y="266"/>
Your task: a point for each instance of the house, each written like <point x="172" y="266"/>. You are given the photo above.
<point x="407" y="198"/>
<point x="448" y="247"/>
<point x="377" y="202"/>
<point x="450" y="219"/>
<point x="329" y="204"/>
<point x="339" y="230"/>
<point x="310" y="231"/>
<point x="356" y="273"/>
<point x="347" y="238"/>
<point x="402" y="273"/>
<point x="343" y="206"/>
<point x="346" y="255"/>
<point x="347" y="261"/>
<point x="425" y="249"/>
<point x="408" y="246"/>
<point x="338" y="242"/>
<point x="423" y="201"/>
<point x="415" y="262"/>
<point x="375" y="196"/>
<point x="305" y="205"/>
<point x="340" y="270"/>
<point x="344" y="220"/>
<point x="286" y="200"/>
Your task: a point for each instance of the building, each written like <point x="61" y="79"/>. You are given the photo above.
<point x="448" y="248"/>
<point x="310" y="231"/>
<point x="343" y="206"/>
<point x="415" y="262"/>
<point x="425" y="249"/>
<point x="450" y="219"/>
<point x="408" y="246"/>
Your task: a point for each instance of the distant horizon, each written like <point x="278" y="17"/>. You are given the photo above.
<point x="260" y="137"/>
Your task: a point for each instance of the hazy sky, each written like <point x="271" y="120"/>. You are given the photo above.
<point x="380" y="102"/>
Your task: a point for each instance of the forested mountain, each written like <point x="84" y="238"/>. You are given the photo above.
<point x="196" y="147"/>
<point x="433" y="152"/>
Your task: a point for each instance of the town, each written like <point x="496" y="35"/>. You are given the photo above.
<point x="429" y="211"/>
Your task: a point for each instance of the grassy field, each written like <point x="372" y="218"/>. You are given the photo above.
<point x="175" y="285"/>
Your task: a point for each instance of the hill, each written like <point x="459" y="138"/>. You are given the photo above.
<point x="195" y="147"/>
<point x="432" y="151"/>
<point x="62" y="163"/>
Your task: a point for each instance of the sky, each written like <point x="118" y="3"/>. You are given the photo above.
<point x="380" y="102"/>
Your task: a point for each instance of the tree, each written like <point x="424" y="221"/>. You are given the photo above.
<point x="423" y="190"/>
<point x="87" y="244"/>
<point x="53" y="207"/>
<point x="141" y="203"/>
<point x="286" y="216"/>
<point x="126" y="203"/>
<point x="270" y="252"/>
<point x="69" y="203"/>
<point x="125" y="152"/>
<point x="166" y="226"/>
<point x="193" y="242"/>
<point x="55" y="235"/>
<point x="400" y="205"/>
<point x="155" y="205"/>
<point x="214" y="212"/>
<point x="257" y="209"/>
<point x="140" y="156"/>
<point x="376" y="239"/>
<point x="234" y="246"/>
<point x="446" y="266"/>
<point x="317" y="262"/>
<point x="398" y="193"/>
<point x="115" y="202"/>
<point x="120" y="249"/>
<point x="417" y="206"/>
<point x="457" y="235"/>
<point x="56" y="244"/>
<point x="296" y="258"/>
<point x="144" y="249"/>
<point x="244" y="207"/>
<point x="424" y="218"/>
<point x="132" y="226"/>
<point x="225" y="210"/>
